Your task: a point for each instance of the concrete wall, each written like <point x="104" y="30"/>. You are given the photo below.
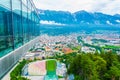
<point x="9" y="60"/>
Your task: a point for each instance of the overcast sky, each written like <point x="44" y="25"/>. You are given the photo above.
<point x="105" y="6"/>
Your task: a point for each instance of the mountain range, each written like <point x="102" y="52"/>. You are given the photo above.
<point x="79" y="17"/>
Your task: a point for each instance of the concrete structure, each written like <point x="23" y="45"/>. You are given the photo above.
<point x="9" y="60"/>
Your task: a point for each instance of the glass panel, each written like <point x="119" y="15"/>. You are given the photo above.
<point x="29" y="24"/>
<point x="24" y="2"/>
<point x="6" y="38"/>
<point x="18" y="30"/>
<point x="5" y="4"/>
<point x="25" y="24"/>
<point x="30" y="19"/>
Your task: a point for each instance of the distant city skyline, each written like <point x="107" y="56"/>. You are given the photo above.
<point x="105" y="6"/>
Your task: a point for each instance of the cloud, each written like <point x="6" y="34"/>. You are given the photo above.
<point x="50" y="22"/>
<point x="105" y="6"/>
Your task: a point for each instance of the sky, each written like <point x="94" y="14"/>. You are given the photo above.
<point x="105" y="6"/>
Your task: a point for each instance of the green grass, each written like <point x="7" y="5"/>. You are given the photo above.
<point x="51" y="65"/>
<point x="16" y="73"/>
<point x="111" y="47"/>
<point x="76" y="48"/>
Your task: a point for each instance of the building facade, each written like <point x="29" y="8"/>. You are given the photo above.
<point x="19" y="24"/>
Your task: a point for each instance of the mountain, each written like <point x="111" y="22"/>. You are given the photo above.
<point x="117" y="15"/>
<point x="79" y="17"/>
<point x="57" y="16"/>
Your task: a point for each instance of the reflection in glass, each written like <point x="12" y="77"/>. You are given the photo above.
<point x="5" y="28"/>
<point x="18" y="24"/>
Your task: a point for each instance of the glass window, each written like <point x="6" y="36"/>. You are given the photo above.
<point x="17" y="23"/>
<point x="6" y="38"/>
<point x="17" y="26"/>
<point x="24" y="2"/>
<point x="25" y="23"/>
<point x="30" y="19"/>
<point x="5" y="4"/>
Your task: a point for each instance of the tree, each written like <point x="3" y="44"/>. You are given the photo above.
<point x="100" y="66"/>
<point x="113" y="72"/>
<point x="88" y="67"/>
<point x="82" y="65"/>
<point x="102" y="51"/>
<point x="95" y="66"/>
